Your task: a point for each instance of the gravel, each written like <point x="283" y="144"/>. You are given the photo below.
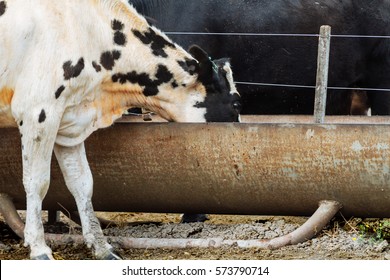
<point x="340" y="240"/>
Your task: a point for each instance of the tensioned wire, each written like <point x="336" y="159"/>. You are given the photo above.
<point x="274" y="34"/>
<point x="287" y="35"/>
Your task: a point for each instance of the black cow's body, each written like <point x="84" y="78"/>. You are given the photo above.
<point x="354" y="62"/>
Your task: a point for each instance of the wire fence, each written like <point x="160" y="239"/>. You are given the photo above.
<point x="342" y="36"/>
<point x="345" y="36"/>
<point x="310" y="87"/>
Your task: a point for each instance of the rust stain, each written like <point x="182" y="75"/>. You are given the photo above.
<point x="284" y="175"/>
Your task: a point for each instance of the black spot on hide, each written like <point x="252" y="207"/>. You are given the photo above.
<point x="119" y="38"/>
<point x="163" y="75"/>
<point x="107" y="59"/>
<point x="143" y="79"/>
<point x="3" y="7"/>
<point x="97" y="67"/>
<point x="71" y="71"/>
<point x="117" y="25"/>
<point x="59" y="91"/>
<point x="174" y="84"/>
<point x="21" y="123"/>
<point x="156" y="42"/>
<point x="42" y="116"/>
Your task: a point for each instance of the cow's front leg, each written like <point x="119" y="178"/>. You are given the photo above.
<point x="38" y="132"/>
<point x="78" y="178"/>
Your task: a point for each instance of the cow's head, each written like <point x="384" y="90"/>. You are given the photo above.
<point x="202" y="90"/>
<point x="222" y="101"/>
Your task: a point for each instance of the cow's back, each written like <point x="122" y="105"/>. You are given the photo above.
<point x="38" y="38"/>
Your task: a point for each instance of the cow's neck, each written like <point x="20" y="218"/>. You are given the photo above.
<point x="139" y="68"/>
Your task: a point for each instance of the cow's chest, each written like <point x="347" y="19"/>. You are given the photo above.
<point x="79" y="120"/>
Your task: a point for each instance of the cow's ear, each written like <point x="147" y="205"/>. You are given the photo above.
<point x="205" y="69"/>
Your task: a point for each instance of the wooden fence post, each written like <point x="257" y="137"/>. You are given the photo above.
<point x="322" y="74"/>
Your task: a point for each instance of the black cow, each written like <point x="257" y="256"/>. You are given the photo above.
<point x="354" y="62"/>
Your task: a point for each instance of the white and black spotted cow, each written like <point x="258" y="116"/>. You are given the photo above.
<point x="68" y="68"/>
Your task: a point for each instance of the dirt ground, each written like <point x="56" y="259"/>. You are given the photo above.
<point x="341" y="239"/>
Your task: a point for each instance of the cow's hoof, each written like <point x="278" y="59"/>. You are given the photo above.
<point x="111" y="256"/>
<point x="194" y="218"/>
<point x="41" y="257"/>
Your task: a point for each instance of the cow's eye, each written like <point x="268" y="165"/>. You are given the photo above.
<point x="237" y="106"/>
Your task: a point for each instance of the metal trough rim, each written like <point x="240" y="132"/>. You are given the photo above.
<point x="279" y="119"/>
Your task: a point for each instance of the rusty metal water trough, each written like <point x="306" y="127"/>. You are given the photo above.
<point x="266" y="165"/>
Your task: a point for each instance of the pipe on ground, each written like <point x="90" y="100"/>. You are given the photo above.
<point x="325" y="212"/>
<point x="10" y="215"/>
